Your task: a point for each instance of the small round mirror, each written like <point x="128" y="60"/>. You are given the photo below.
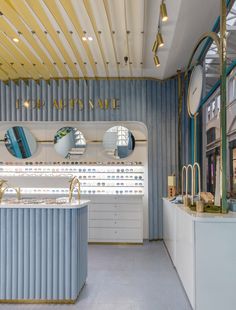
<point x="20" y="142"/>
<point x="69" y="142"/>
<point x="118" y="142"/>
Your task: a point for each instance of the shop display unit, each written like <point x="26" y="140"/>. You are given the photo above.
<point x="115" y="190"/>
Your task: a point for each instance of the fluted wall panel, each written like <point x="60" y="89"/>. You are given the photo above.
<point x="43" y="253"/>
<point x="151" y="102"/>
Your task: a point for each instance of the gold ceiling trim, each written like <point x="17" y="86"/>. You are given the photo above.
<point x="52" y="7"/>
<point x="15" y="20"/>
<point x="93" y="78"/>
<point x="108" y="15"/>
<point x="68" y="7"/>
<point x="93" y="22"/>
<point x="42" y="16"/>
<point x="23" y="10"/>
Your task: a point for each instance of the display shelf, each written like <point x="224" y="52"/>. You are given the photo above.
<point x="98" y="179"/>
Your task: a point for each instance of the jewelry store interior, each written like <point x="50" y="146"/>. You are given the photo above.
<point x="117" y="154"/>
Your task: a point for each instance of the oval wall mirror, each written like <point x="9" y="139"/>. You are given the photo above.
<point x="20" y="142"/>
<point x="69" y="142"/>
<point x="118" y="142"/>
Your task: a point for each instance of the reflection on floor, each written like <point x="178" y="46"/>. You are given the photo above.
<point x="126" y="278"/>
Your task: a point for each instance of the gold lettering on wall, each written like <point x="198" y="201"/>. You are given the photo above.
<point x="91" y="105"/>
<point x="71" y="104"/>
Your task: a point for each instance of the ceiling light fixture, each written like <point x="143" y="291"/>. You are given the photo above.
<point x="15" y="40"/>
<point x="84" y="38"/>
<point x="155" y="47"/>
<point x="90" y="38"/>
<point x="163" y="11"/>
<point x="160" y="39"/>
<point x="156" y="61"/>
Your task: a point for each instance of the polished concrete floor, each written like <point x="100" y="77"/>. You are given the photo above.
<point x="126" y="278"/>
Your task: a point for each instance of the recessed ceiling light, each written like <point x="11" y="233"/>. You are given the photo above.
<point x="15" y="40"/>
<point x="84" y="38"/>
<point x="90" y="38"/>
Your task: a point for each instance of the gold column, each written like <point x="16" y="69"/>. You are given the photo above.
<point x="223" y="121"/>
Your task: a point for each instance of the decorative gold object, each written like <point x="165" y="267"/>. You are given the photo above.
<point x="73" y="183"/>
<point x="200" y="206"/>
<point x="193" y="185"/>
<point x="171" y="186"/>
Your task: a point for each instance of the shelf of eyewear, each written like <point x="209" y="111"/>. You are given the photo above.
<point x="95" y="178"/>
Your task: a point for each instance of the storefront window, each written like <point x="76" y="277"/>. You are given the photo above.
<point x="233" y="186"/>
<point x="211" y="170"/>
<point x="232" y="89"/>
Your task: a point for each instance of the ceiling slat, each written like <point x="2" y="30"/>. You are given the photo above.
<point x="42" y="16"/>
<point x="19" y="71"/>
<point x="143" y="37"/>
<point x="14" y="19"/>
<point x="93" y="22"/>
<point x="67" y="5"/>
<point x="3" y="74"/>
<point x="25" y="13"/>
<point x="22" y="46"/>
<point x="108" y="15"/>
<point x="8" y="69"/>
<point x="10" y="47"/>
<point x="127" y="39"/>
<point x="52" y="6"/>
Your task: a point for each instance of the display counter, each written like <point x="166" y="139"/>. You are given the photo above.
<point x="203" y="250"/>
<point x="43" y="250"/>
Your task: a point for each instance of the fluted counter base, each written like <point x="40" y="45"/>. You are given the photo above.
<point x="43" y="255"/>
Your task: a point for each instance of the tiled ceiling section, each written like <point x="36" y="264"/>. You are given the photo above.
<point x="52" y="35"/>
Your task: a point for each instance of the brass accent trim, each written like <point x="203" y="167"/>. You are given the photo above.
<point x="180" y="107"/>
<point x="96" y="78"/>
<point x="115" y="243"/>
<point x="42" y="301"/>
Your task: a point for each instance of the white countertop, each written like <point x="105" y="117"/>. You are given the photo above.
<point x="205" y="217"/>
<point x="42" y="204"/>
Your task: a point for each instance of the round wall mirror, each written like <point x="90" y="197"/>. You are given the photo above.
<point x="20" y="142"/>
<point x="118" y="142"/>
<point x="69" y="142"/>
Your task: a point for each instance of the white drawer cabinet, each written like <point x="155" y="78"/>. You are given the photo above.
<point x="203" y="250"/>
<point x="116" y="219"/>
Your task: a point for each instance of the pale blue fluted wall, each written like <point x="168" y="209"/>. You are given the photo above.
<point x="152" y="102"/>
<point x="43" y="253"/>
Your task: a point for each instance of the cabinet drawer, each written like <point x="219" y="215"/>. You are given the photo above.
<point x="115" y="207"/>
<point x="115" y="215"/>
<point x="114" y="199"/>
<point x="111" y="234"/>
<point x="115" y="224"/>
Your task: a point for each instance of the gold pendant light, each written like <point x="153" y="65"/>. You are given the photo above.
<point x="155" y="47"/>
<point x="163" y="10"/>
<point x="160" y="39"/>
<point x="156" y="61"/>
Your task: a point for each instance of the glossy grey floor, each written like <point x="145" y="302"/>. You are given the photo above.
<point x="126" y="278"/>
